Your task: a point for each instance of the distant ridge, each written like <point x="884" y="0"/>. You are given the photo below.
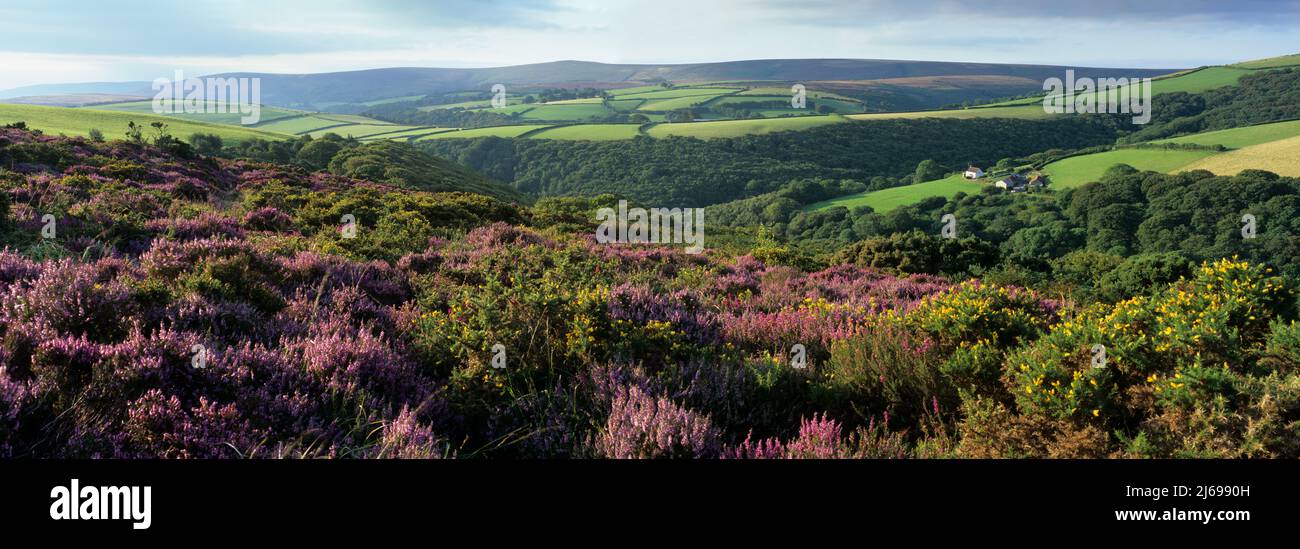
<point x="311" y="90"/>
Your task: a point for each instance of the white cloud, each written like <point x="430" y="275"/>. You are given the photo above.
<point x="345" y="36"/>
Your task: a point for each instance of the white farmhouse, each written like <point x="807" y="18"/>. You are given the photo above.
<point x="1013" y="183"/>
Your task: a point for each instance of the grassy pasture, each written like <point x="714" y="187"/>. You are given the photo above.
<point x="635" y="90"/>
<point x="1281" y="157"/>
<point x="1271" y="63"/>
<point x="495" y="131"/>
<point x="677" y="103"/>
<point x="348" y="118"/>
<point x="1079" y="170"/>
<point x="626" y="105"/>
<point x="79" y="121"/>
<point x="841" y="106"/>
<point x="1029" y="112"/>
<point x="1199" y="81"/>
<point x="582" y="101"/>
<point x="1236" y="138"/>
<point x="566" y="111"/>
<point x="679" y="92"/>
<point x="888" y="199"/>
<point x="268" y="113"/>
<point x="362" y="130"/>
<point x="590" y="132"/>
<point x="409" y="133"/>
<point x="733" y="128"/>
<point x="785" y="92"/>
<point x="1195" y="81"/>
<point x="301" y="124"/>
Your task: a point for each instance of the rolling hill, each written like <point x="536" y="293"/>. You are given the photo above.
<point x="70" y="121"/>
<point x="326" y="90"/>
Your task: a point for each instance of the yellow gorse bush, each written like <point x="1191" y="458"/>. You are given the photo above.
<point x="1174" y="345"/>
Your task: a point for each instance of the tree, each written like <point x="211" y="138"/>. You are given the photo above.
<point x="928" y="170"/>
<point x="317" y="154"/>
<point x="1141" y="274"/>
<point x="918" y="252"/>
<point x="134" y="133"/>
<point x="96" y="135"/>
<point x="209" y="144"/>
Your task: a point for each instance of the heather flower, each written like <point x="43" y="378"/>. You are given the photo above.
<point x="404" y="438"/>
<point x="14" y="267"/>
<point x="643" y="426"/>
<point x="682" y="309"/>
<point x="267" y="219"/>
<point x="205" y="226"/>
<point x="160" y="425"/>
<point x="819" y="438"/>
<point x="15" y="397"/>
<point x="71" y="297"/>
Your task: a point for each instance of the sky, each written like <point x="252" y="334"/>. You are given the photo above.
<point x="60" y="41"/>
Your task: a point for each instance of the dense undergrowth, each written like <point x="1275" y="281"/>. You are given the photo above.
<point x="191" y="307"/>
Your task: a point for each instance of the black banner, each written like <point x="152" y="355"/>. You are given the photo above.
<point x="321" y="499"/>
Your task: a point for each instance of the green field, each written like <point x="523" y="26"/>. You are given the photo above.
<point x="70" y="121"/>
<point x="362" y="130"/>
<point x="566" y="111"/>
<point x="1281" y="157"/>
<point x="1194" y="81"/>
<point x="679" y="92"/>
<point x="589" y="132"/>
<point x="1271" y="63"/>
<point x="1029" y="112"/>
<point x="785" y="92"/>
<point x="1199" y="81"/>
<point x="319" y="124"/>
<point x="301" y="124"/>
<point x="626" y="105"/>
<point x="888" y="199"/>
<point x="734" y="99"/>
<point x="1079" y="170"/>
<point x="633" y="90"/>
<point x="687" y="102"/>
<point x="268" y="114"/>
<point x="582" y="101"/>
<point x="347" y="118"/>
<point x="840" y="105"/>
<point x="496" y="131"/>
<point x="734" y="128"/>
<point x="409" y="133"/>
<point x="1236" y="138"/>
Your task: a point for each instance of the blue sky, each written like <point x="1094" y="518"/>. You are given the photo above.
<point x="48" y="41"/>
